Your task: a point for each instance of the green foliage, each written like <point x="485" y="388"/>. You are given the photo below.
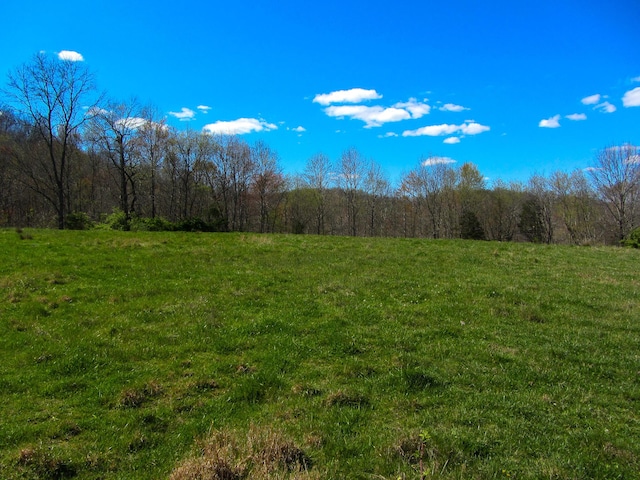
<point x="163" y="354"/>
<point x="197" y="225"/>
<point x="633" y="239"/>
<point x="470" y="227"/>
<point x="78" y="221"/>
<point x="117" y="220"/>
<point x="157" y="224"/>
<point x="531" y="224"/>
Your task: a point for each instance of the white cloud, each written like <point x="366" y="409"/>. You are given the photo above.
<point x="471" y="128"/>
<point x="637" y="79"/>
<point x="132" y="122"/>
<point x="628" y="151"/>
<point x="203" y="108"/>
<point x="388" y="135"/>
<point x="576" y="116"/>
<point x="632" y="97"/>
<point x="605" y="107"/>
<point x="71" y="56"/>
<point x="354" y="95"/>
<point x="451" y="107"/>
<point x="591" y="99"/>
<point x="299" y="129"/>
<point x="552" y="122"/>
<point x="415" y="108"/>
<point x="438" y="161"/>
<point x="239" y="126"/>
<point x="432" y="131"/>
<point x="184" y="115"/>
<point x="95" y="111"/>
<point x="451" y="140"/>
<point x="372" y="116"/>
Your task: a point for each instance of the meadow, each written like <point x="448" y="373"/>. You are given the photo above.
<point x="142" y="355"/>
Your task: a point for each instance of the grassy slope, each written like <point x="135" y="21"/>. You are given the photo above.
<point x="119" y="350"/>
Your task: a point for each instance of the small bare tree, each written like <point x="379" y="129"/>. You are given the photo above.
<point x="616" y="179"/>
<point x="152" y="143"/>
<point x="317" y="175"/>
<point x="575" y="203"/>
<point x="350" y="179"/>
<point x="377" y="187"/>
<point x="267" y="185"/>
<point x="113" y="133"/>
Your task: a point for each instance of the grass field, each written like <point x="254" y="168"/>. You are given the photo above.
<point x="158" y="355"/>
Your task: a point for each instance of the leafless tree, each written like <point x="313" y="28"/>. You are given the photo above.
<point x="234" y="170"/>
<point x="317" y="174"/>
<point x="616" y="179"/>
<point x="542" y="196"/>
<point x="57" y="96"/>
<point x="113" y="133"/>
<point x="376" y="188"/>
<point x="575" y="205"/>
<point x="501" y="210"/>
<point x="267" y="185"/>
<point x="152" y="143"/>
<point x="350" y="178"/>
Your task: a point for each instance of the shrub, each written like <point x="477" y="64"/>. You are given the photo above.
<point x="117" y="220"/>
<point x="156" y="224"/>
<point x="78" y="221"/>
<point x="196" y="225"/>
<point x="633" y="239"/>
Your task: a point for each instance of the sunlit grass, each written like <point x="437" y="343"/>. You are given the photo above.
<point x="122" y="354"/>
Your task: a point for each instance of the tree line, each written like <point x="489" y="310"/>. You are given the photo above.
<point x="70" y="158"/>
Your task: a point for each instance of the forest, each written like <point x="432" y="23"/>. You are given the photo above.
<point x="72" y="158"/>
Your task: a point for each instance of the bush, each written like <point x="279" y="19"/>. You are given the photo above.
<point x="117" y="220"/>
<point x="156" y="224"/>
<point x="78" y="221"/>
<point x="633" y="239"/>
<point x="195" y="225"/>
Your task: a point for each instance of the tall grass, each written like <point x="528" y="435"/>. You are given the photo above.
<point x="150" y="355"/>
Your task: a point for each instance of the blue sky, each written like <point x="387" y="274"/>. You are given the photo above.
<point x="515" y="87"/>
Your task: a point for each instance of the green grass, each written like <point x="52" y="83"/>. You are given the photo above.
<point x="122" y="354"/>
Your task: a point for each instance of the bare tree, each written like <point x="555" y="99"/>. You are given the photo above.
<point x="234" y="169"/>
<point x="317" y="174"/>
<point x="616" y="179"/>
<point x="377" y="188"/>
<point x="14" y="134"/>
<point x="540" y="204"/>
<point x="152" y="142"/>
<point x="437" y="184"/>
<point x="350" y="179"/>
<point x="267" y="184"/>
<point x="500" y="211"/>
<point x="113" y="133"/>
<point x="186" y="149"/>
<point x="575" y="204"/>
<point x="53" y="94"/>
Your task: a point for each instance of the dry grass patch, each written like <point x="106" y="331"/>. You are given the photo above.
<point x="135" y="397"/>
<point x="261" y="453"/>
